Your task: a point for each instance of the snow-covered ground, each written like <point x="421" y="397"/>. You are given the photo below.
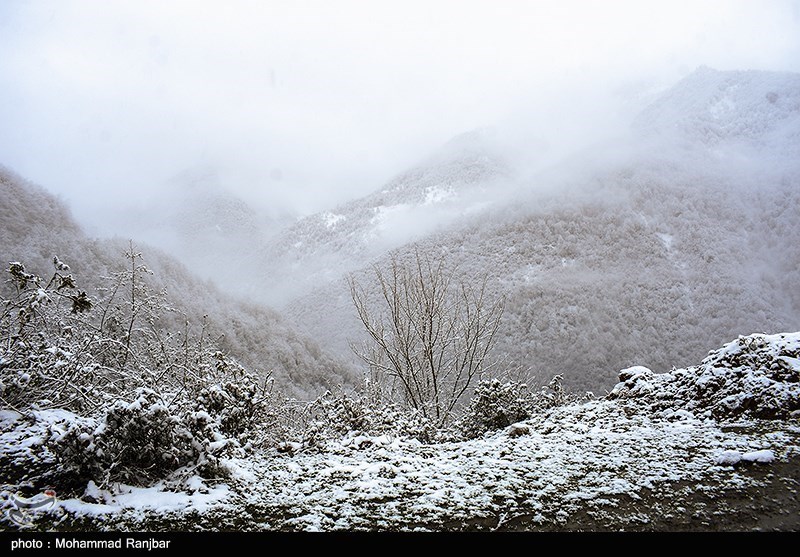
<point x="603" y="460"/>
<point x="580" y="456"/>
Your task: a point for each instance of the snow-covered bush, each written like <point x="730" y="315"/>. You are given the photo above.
<point x="333" y="416"/>
<point x="495" y="405"/>
<point x="147" y="400"/>
<point x="553" y="394"/>
<point x="344" y="413"/>
<point x="45" y="353"/>
<point x="241" y="405"/>
<point x="152" y="435"/>
<point x="134" y="441"/>
<point x="756" y="375"/>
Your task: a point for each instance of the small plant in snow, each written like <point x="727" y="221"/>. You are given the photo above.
<point x="554" y="394"/>
<point x="495" y="405"/>
<point x="334" y="416"/>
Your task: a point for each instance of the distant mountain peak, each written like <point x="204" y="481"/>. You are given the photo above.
<point x="481" y="140"/>
<point x="196" y="179"/>
<point x="703" y="69"/>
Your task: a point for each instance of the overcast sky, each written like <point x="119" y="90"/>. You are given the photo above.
<point x="304" y="104"/>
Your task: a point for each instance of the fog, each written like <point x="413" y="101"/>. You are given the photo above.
<point x="302" y="105"/>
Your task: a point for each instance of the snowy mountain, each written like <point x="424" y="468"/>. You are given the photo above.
<point x="756" y="109"/>
<point x="214" y="232"/>
<point x="643" y="251"/>
<point x="650" y="255"/>
<point x="464" y="177"/>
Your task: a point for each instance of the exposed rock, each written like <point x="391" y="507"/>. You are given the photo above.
<point x="517" y="430"/>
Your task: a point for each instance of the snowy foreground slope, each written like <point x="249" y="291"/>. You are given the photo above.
<point x="715" y="446"/>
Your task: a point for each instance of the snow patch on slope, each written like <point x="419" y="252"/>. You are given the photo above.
<point x="332" y="219"/>
<point x="435" y="194"/>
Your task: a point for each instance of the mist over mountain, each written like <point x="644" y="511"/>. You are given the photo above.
<point x="642" y="252"/>
<point x="732" y="109"/>
<point x="465" y="176"/>
<point x="211" y="229"/>
<point x="646" y="249"/>
<point x="37" y="226"/>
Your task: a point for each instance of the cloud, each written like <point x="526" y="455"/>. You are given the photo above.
<point x="305" y="104"/>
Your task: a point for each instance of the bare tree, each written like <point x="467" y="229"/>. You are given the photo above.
<point x="430" y="332"/>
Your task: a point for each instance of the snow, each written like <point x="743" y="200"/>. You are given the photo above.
<point x="437" y="194"/>
<point x="732" y="457"/>
<point x="756" y="375"/>
<point x="574" y="458"/>
<point x="666" y="239"/>
<point x="332" y="219"/>
<point x="157" y="498"/>
<point x="764" y="456"/>
<point x="8" y="417"/>
<point x="652" y="431"/>
<point x="578" y="455"/>
<point x="720" y="107"/>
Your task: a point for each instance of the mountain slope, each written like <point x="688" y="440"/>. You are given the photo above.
<point x="735" y="108"/>
<point x="647" y="257"/>
<point x="462" y="178"/>
<point x="36" y="226"/>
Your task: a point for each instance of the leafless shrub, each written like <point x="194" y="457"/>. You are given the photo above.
<point x="430" y="333"/>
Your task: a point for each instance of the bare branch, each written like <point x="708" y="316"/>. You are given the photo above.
<point x="429" y="329"/>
